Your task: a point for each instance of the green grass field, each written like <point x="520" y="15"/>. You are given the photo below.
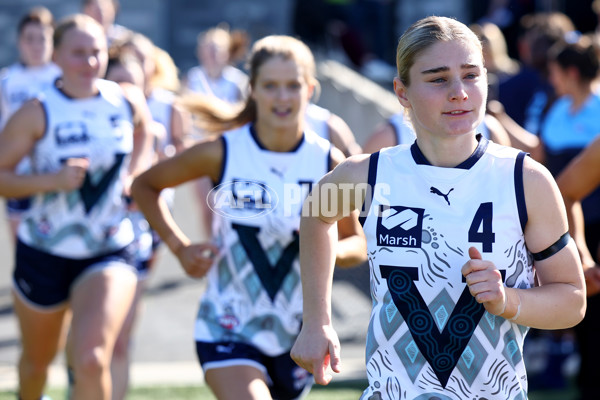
<point x="336" y="391"/>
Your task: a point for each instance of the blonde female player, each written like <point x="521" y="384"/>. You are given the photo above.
<point x="264" y="164"/>
<point x="456" y="226"/>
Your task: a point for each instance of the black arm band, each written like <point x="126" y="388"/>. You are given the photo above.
<point x="553" y="248"/>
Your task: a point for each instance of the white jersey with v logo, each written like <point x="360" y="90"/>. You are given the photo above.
<point x="89" y="221"/>
<point x="254" y="291"/>
<point x="428" y="337"/>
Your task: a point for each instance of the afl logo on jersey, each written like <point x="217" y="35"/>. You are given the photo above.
<point x="399" y="226"/>
<point x="245" y="199"/>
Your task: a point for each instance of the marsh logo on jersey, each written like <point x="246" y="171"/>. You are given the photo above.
<point x="399" y="226"/>
<point x="71" y="133"/>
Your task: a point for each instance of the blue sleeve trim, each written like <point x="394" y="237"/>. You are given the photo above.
<point x="373" y="161"/>
<point x="223" y="162"/>
<point x="46" y="119"/>
<point x="520" y="190"/>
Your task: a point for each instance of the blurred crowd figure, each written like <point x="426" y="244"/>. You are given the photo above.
<point x="216" y="75"/>
<point x="19" y="82"/>
<point x="362" y="29"/>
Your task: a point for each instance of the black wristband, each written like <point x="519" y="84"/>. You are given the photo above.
<point x="553" y="248"/>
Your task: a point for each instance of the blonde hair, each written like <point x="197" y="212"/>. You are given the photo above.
<point x="166" y="74"/>
<point x="425" y="33"/>
<point x="217" y="116"/>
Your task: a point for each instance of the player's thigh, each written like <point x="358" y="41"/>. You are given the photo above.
<point x="100" y="303"/>
<point x="238" y="382"/>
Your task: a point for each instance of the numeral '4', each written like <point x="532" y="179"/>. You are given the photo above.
<point x="483" y="220"/>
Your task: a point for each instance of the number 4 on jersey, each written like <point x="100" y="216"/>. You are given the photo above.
<point x="481" y="227"/>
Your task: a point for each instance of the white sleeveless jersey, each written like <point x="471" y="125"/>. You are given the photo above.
<point x="254" y="291"/>
<point x="160" y="103"/>
<point x="428" y="337"/>
<point x="317" y="119"/>
<point x="19" y="83"/>
<point x="228" y="87"/>
<point x="91" y="220"/>
<point x="404" y="130"/>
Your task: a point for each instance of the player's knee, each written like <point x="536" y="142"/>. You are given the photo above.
<point x="91" y="363"/>
<point x="121" y="349"/>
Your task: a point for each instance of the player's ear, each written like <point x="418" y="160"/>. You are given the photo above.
<point x="400" y="89"/>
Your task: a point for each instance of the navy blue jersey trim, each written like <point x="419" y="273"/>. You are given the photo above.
<point x="420" y="158"/>
<point x="373" y="161"/>
<point x="262" y="147"/>
<point x="553" y="248"/>
<point x="396" y="133"/>
<point x="418" y="155"/>
<point x="46" y="119"/>
<point x="520" y="190"/>
<point x="223" y="161"/>
<point x="59" y="88"/>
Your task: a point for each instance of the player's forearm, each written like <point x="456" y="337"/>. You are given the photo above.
<point x="563" y="306"/>
<point x="317" y="255"/>
<point x="351" y="251"/>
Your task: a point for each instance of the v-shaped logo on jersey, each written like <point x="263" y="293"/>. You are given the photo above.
<point x="271" y="276"/>
<point x="442" y="350"/>
<point x="90" y="193"/>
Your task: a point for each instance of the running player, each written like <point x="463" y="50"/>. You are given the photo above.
<point x="457" y="228"/>
<point x="87" y="139"/>
<point x="264" y="166"/>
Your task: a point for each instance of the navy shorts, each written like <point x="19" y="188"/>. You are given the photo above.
<point x="16" y="207"/>
<point x="45" y="280"/>
<point x="286" y="380"/>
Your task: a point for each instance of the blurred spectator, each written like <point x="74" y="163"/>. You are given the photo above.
<point x="500" y="66"/>
<point x="215" y="76"/>
<point x="580" y="178"/>
<point x="506" y="14"/>
<point x="161" y="83"/>
<point x="105" y="12"/>
<point x="362" y="29"/>
<point x="570" y="125"/>
<point x="527" y="95"/>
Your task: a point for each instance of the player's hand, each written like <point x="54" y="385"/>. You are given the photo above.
<point x="72" y="174"/>
<point x="592" y="280"/>
<point x="196" y="259"/>
<point x="485" y="282"/>
<point x="317" y="349"/>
